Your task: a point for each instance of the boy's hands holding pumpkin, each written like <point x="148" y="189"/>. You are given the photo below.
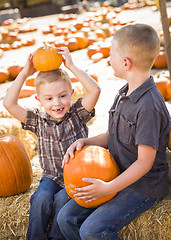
<point x="66" y="55"/>
<point x="77" y="145"/>
<point x="29" y="69"/>
<point x="97" y="189"/>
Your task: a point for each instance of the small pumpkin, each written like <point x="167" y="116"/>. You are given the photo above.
<point x="92" y="49"/>
<point x="91" y="162"/>
<point x="30" y="81"/>
<point x="161" y="60"/>
<point x="82" y="40"/>
<point x="105" y="49"/>
<point x="14" y="70"/>
<point x="15" y="169"/>
<point x="93" y="75"/>
<point x="46" y="58"/>
<point x="169" y="143"/>
<point x="100" y="33"/>
<point x="78" y="25"/>
<point x="4" y="75"/>
<point x="27" y="92"/>
<point x="97" y="57"/>
<point x="168" y="90"/>
<point x="73" y="44"/>
<point x="162" y="85"/>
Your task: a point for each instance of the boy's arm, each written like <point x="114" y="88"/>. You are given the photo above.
<point x="90" y="85"/>
<point x="92" y="88"/>
<point x="98" y="188"/>
<point x="11" y="99"/>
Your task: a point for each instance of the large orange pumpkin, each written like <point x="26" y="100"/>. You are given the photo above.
<point x="47" y="58"/>
<point x="15" y="168"/>
<point x="91" y="162"/>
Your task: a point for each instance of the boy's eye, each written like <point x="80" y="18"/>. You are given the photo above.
<point x="49" y="98"/>
<point x="63" y="95"/>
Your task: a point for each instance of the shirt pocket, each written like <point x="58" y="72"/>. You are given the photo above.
<point x="126" y="129"/>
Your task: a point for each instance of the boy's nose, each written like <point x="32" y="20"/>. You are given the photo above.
<point x="57" y="101"/>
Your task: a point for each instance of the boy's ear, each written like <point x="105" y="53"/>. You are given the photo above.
<point x="127" y="63"/>
<point x="72" y="92"/>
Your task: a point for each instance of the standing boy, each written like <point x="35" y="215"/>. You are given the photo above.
<point x="137" y="137"/>
<point x="56" y="128"/>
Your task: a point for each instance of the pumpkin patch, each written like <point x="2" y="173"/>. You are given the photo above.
<point x="91" y="162"/>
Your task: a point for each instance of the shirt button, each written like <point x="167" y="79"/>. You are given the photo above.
<point x="59" y="140"/>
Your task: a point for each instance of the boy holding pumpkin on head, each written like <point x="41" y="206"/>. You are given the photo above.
<point x="137" y="137"/>
<point x="56" y="128"/>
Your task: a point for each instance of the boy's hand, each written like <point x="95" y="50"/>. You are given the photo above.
<point x="77" y="145"/>
<point x="29" y="69"/>
<point x="66" y="56"/>
<point x="97" y="189"/>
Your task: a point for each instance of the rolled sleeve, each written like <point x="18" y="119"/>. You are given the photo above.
<point x="31" y="121"/>
<point x="83" y="114"/>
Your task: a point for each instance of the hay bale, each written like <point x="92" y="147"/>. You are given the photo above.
<point x="14" y="215"/>
<point x="153" y="224"/>
<point x="12" y="126"/>
<point x="79" y="91"/>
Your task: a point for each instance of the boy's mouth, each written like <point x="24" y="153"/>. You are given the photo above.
<point x="58" y="110"/>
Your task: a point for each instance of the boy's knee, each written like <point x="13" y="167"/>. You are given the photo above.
<point x="61" y="198"/>
<point x="41" y="199"/>
<point x="85" y="232"/>
<point x="61" y="218"/>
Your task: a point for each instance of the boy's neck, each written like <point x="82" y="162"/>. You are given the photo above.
<point x="136" y="81"/>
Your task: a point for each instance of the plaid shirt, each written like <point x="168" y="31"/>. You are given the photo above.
<point x="54" y="137"/>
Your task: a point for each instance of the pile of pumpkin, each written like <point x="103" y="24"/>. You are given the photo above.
<point x="134" y="4"/>
<point x="9" y="34"/>
<point x="96" y="27"/>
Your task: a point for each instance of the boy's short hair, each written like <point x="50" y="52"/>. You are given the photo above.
<point x="52" y="76"/>
<point x="140" y="43"/>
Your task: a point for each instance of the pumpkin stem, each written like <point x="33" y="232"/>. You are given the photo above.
<point x="46" y="46"/>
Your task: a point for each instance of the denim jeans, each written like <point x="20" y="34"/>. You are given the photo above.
<point x="45" y="204"/>
<point x="104" y="222"/>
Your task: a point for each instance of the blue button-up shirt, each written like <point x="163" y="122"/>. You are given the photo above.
<point x="141" y="118"/>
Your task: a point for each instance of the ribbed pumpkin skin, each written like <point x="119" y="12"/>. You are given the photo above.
<point x="46" y="59"/>
<point x="15" y="169"/>
<point x="90" y="162"/>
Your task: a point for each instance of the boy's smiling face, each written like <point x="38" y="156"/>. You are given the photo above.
<point x="55" y="97"/>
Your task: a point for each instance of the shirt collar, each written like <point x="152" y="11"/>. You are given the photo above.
<point x="137" y="93"/>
